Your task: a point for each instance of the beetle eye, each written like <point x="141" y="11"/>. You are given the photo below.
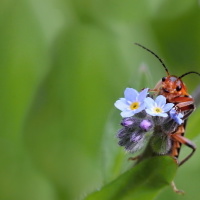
<point x="178" y="88"/>
<point x="163" y="79"/>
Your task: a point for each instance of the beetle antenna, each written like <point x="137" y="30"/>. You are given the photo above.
<point x="192" y="72"/>
<point x="155" y="56"/>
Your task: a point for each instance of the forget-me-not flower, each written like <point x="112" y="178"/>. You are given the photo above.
<point x="132" y="103"/>
<point x="159" y="107"/>
<point x="176" y="116"/>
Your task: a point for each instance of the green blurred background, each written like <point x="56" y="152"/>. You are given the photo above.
<point x="63" y="65"/>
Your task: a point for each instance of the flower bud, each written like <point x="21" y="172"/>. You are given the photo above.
<point x="146" y="125"/>
<point x="127" y="122"/>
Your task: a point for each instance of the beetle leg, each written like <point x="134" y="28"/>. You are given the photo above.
<point x="187" y="142"/>
<point x="175" y="188"/>
<point x="135" y="158"/>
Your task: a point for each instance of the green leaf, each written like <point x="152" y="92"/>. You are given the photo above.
<point x="143" y="181"/>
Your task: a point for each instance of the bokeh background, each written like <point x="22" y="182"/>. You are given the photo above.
<point x="63" y="63"/>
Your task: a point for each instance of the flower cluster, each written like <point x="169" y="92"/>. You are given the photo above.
<point x="144" y="117"/>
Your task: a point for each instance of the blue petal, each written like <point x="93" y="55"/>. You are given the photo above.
<point x="142" y="95"/>
<point x="142" y="107"/>
<point x="130" y="94"/>
<point x="150" y="112"/>
<point x="149" y="102"/>
<point x="121" y="105"/>
<point x="123" y="100"/>
<point x="168" y="107"/>
<point x="160" y="100"/>
<point x="172" y="112"/>
<point x="127" y="113"/>
<point x="179" y="121"/>
<point x="176" y="116"/>
<point x="180" y="115"/>
<point x="162" y="114"/>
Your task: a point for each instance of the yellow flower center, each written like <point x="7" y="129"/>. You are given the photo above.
<point x="134" y="105"/>
<point x="157" y="110"/>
